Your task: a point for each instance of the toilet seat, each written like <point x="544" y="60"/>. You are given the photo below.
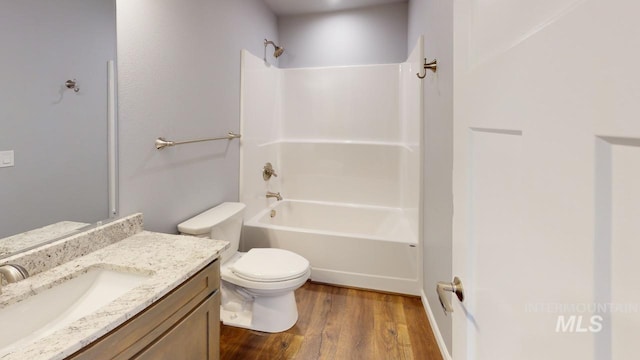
<point x="270" y="265"/>
<point x="267" y="288"/>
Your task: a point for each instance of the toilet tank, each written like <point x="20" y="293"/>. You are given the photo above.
<point x="223" y="222"/>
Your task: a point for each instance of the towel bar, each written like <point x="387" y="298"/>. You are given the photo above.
<point x="161" y="142"/>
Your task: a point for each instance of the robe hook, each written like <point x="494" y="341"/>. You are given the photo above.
<point x="433" y="66"/>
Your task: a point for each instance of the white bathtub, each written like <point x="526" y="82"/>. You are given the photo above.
<point x="353" y="245"/>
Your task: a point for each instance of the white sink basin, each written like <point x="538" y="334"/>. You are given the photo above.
<point x="40" y="315"/>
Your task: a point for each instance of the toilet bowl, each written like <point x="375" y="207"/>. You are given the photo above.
<point x="257" y="286"/>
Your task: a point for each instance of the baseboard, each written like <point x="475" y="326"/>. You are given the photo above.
<point x="434" y="326"/>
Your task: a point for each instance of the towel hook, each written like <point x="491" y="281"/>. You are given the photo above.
<point x="433" y="66"/>
<point x="72" y="84"/>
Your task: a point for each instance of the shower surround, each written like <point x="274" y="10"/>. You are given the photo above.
<point x="345" y="143"/>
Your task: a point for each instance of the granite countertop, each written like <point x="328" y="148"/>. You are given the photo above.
<point x="11" y="244"/>
<point x="167" y="260"/>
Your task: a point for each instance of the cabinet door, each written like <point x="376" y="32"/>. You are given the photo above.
<point x="195" y="337"/>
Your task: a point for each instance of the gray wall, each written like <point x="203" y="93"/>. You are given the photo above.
<point x="371" y="35"/>
<point x="59" y="137"/>
<point x="179" y="77"/>
<point x="434" y="19"/>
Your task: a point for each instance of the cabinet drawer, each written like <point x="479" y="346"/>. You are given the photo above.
<point x="137" y="333"/>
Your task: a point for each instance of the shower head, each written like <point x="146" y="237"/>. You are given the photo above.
<point x="278" y="50"/>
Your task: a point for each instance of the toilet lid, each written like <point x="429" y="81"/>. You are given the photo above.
<point x="270" y="265"/>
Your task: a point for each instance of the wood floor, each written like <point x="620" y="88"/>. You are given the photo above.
<point x="340" y="323"/>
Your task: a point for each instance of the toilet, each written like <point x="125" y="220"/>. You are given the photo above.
<point x="257" y="286"/>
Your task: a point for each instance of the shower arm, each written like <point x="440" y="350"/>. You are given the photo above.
<point x="266" y="43"/>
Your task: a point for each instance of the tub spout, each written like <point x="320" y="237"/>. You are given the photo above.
<point x="274" y="195"/>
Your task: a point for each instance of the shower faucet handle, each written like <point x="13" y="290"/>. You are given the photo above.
<point x="268" y="172"/>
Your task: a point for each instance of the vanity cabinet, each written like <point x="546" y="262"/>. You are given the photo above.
<point x="184" y="324"/>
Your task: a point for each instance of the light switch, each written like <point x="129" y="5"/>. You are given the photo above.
<point x="6" y="158"/>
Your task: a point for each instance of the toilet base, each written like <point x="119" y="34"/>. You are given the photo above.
<point x="270" y="314"/>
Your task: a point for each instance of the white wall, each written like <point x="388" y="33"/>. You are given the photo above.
<point x="179" y="77"/>
<point x="260" y="126"/>
<point x="58" y="136"/>
<point x="371" y="35"/>
<point x="410" y="167"/>
<point x="354" y="173"/>
<point x="434" y="19"/>
<point x="352" y="103"/>
<point x="337" y="134"/>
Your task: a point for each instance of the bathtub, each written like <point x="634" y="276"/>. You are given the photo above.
<point x="361" y="246"/>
